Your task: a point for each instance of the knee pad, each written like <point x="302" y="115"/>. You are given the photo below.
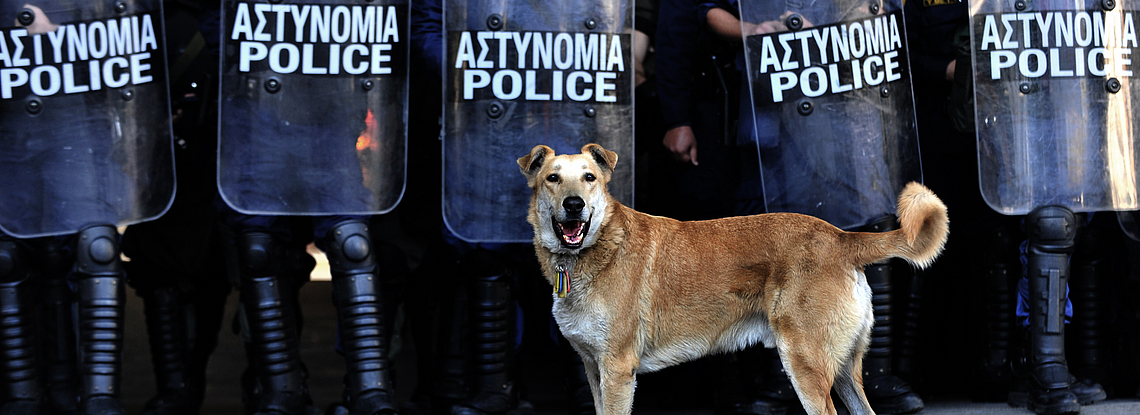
<point x="1051" y="229"/>
<point x="13" y="262"/>
<point x="97" y="251"/>
<point x="349" y="248"/>
<point x="259" y="254"/>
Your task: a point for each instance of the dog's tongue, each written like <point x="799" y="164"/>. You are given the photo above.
<point x="572" y="231"/>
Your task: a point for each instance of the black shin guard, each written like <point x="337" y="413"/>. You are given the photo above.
<point x="19" y="377"/>
<point x="491" y="350"/>
<point x="1088" y="330"/>
<point x="886" y="392"/>
<point x="58" y="328"/>
<point x="360" y="315"/>
<point x="1051" y="232"/>
<point x="273" y="351"/>
<point x="100" y="299"/>
<point x="177" y="393"/>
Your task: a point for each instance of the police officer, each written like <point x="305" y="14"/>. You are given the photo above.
<point x="328" y="146"/>
<point x="177" y="264"/>
<point x="86" y="154"/>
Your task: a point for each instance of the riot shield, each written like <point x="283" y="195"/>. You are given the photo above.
<point x="521" y="73"/>
<point x="313" y="112"/>
<point x="832" y="109"/>
<point x="84" y="115"/>
<point x="1130" y="223"/>
<point x="1054" y="104"/>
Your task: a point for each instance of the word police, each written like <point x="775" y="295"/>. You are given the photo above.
<point x="1057" y="44"/>
<point x="539" y="66"/>
<point x="831" y="59"/>
<point x="78" y="57"/>
<point x="315" y="39"/>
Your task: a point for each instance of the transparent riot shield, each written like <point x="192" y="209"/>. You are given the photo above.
<point x="1130" y="223"/>
<point x="313" y="112"/>
<point x="1055" y="112"/>
<point x="521" y="73"/>
<point x="84" y="115"/>
<point x="832" y="109"/>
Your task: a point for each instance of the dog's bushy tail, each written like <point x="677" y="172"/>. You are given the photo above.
<point x="923" y="228"/>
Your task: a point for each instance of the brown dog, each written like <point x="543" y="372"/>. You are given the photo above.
<point x="637" y="293"/>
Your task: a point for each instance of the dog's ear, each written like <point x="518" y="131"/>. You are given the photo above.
<point x="606" y="159"/>
<point x="530" y="163"/>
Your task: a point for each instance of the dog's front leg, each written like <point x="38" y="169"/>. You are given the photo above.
<point x="618" y="378"/>
<point x="592" y="375"/>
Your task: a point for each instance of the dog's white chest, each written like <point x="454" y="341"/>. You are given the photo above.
<point x="582" y="323"/>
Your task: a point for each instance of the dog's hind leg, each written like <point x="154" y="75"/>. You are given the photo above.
<point x="849" y="385"/>
<point x="812" y="373"/>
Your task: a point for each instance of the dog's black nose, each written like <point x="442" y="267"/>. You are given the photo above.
<point x="573" y="205"/>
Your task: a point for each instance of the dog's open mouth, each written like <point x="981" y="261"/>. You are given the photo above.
<point x="572" y="232"/>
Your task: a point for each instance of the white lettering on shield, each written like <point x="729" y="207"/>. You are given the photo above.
<point x="1057" y="44"/>
<point x="831" y="59"/>
<point x="78" y="57"/>
<point x="315" y="39"/>
<point x="539" y="66"/>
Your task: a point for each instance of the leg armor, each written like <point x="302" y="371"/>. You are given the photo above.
<point x="1090" y="317"/>
<point x="99" y="275"/>
<point x="1051" y="231"/>
<point x="886" y="392"/>
<point x="491" y="352"/>
<point x="58" y="327"/>
<point x="19" y="380"/>
<point x="275" y="358"/>
<point x="169" y="349"/>
<point x="360" y="315"/>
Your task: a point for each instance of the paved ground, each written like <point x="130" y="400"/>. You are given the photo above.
<point x="326" y="368"/>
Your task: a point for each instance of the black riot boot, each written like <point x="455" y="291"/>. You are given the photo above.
<point x="1051" y="231"/>
<point x="360" y="314"/>
<point x="99" y="275"/>
<point x="57" y="328"/>
<point x="1087" y="332"/>
<point x="886" y="392"/>
<point x="491" y="348"/>
<point x="179" y="391"/>
<point x="19" y="377"/>
<point x="272" y="348"/>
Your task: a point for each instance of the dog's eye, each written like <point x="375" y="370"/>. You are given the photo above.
<point x="590" y="177"/>
<point x="552" y="178"/>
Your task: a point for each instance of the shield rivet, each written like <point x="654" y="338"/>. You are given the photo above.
<point x="591" y="24"/>
<point x="1024" y="87"/>
<point x="794" y="22"/>
<point x="127" y="94"/>
<point x="1019" y="5"/>
<point x="885" y="91"/>
<point x="874" y="8"/>
<point x="805" y="107"/>
<point x="591" y="112"/>
<point x="495" y="22"/>
<point x="495" y="110"/>
<point x="1112" y="85"/>
<point x="367" y="84"/>
<point x="120" y="7"/>
<point x="26" y="16"/>
<point x="272" y="85"/>
<point x="1108" y="4"/>
<point x="34" y="106"/>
